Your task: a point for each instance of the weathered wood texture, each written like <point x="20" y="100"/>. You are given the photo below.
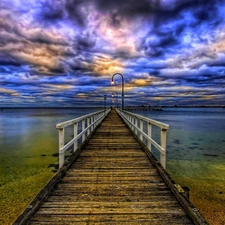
<point x="111" y="182"/>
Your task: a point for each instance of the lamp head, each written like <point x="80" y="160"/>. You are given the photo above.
<point x="112" y="82"/>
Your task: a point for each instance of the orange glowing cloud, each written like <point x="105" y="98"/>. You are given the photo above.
<point x="106" y="66"/>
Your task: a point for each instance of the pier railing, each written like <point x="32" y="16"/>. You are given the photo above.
<point x="142" y="127"/>
<point x="82" y="127"/>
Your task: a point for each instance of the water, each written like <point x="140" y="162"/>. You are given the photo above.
<point x="196" y="138"/>
<point x="29" y="147"/>
<point x="28" y="154"/>
<point x="196" y="155"/>
<point x="196" y="134"/>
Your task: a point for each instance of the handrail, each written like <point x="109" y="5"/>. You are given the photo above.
<point x="83" y="126"/>
<point x="137" y="122"/>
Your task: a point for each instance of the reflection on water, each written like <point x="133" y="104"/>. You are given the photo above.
<point x="29" y="153"/>
<point x="30" y="133"/>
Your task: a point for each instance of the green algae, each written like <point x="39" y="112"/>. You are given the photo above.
<point x="207" y="186"/>
<point x="23" y="174"/>
<point x="16" y="194"/>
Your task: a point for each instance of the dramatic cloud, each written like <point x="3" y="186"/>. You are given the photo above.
<point x="64" y="52"/>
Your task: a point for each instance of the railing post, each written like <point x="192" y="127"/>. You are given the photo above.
<point x="83" y="127"/>
<point x="149" y="130"/>
<point x="141" y="128"/>
<point x="75" y="131"/>
<point x="61" y="145"/>
<point x="132" y="122"/>
<point x="92" y="120"/>
<point x="96" y="119"/>
<point x="163" y="145"/>
<point x="135" y="125"/>
<point x="88" y="124"/>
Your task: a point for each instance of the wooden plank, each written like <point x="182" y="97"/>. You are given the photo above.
<point x="113" y="153"/>
<point x="154" y="218"/>
<point x="117" y="179"/>
<point x="110" y="198"/>
<point x="111" y="210"/>
<point x="126" y="172"/>
<point x="119" y="205"/>
<point x="107" y="192"/>
<point x="102" y="159"/>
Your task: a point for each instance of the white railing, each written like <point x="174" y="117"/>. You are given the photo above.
<point x="82" y="127"/>
<point x="137" y="124"/>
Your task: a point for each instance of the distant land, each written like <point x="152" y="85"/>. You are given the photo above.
<point x="126" y="107"/>
<point x="51" y="107"/>
<point x="178" y="106"/>
<point x="195" y="106"/>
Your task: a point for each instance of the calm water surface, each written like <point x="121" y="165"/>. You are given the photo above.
<point x="30" y="133"/>
<point x="195" y="146"/>
<point x="196" y="155"/>
<point x="196" y="134"/>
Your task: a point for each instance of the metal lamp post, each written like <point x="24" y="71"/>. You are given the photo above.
<point x="116" y="98"/>
<point x="105" y="98"/>
<point x="112" y="82"/>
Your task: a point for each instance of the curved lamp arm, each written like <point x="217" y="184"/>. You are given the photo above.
<point x="112" y="82"/>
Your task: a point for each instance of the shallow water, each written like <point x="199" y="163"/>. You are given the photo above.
<point x="28" y="154"/>
<point x="29" y="147"/>
<point x="195" y="134"/>
<point x="196" y="155"/>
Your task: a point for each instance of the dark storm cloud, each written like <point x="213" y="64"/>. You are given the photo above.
<point x="58" y="70"/>
<point x="9" y="62"/>
<point x="68" y="10"/>
<point x="75" y="10"/>
<point x="84" y="42"/>
<point x="162" y="10"/>
<point x="43" y="38"/>
<point x="129" y="8"/>
<point x="157" y="44"/>
<point x="201" y="10"/>
<point x="53" y="10"/>
<point x="68" y="52"/>
<point x="172" y="24"/>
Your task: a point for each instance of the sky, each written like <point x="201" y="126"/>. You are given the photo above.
<point x="65" y="52"/>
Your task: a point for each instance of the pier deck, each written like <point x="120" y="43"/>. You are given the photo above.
<point x="111" y="181"/>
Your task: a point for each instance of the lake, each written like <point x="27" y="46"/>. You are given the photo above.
<point x="195" y="154"/>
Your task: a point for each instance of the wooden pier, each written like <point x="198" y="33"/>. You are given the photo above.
<point x="111" y="179"/>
